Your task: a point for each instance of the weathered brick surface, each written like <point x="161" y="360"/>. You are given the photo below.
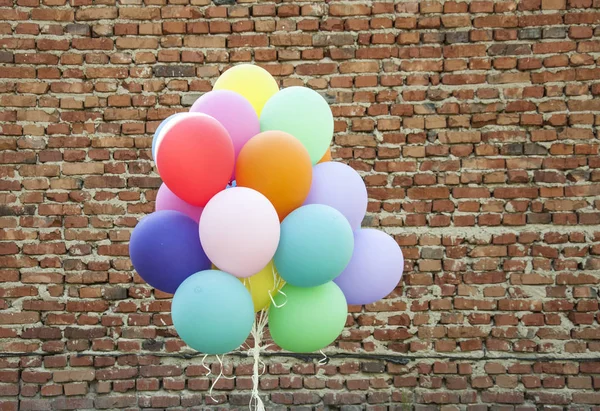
<point x="474" y="123"/>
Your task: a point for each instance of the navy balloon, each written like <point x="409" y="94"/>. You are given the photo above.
<point x="165" y="249"/>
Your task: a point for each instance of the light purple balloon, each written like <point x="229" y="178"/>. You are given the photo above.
<point x="341" y="187"/>
<point x="233" y="111"/>
<point x="374" y="270"/>
<point x="166" y="200"/>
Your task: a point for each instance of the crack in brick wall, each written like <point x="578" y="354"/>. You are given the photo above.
<point x="474" y="124"/>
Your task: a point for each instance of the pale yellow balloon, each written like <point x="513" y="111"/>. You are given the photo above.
<point x="260" y="284"/>
<point x="253" y="82"/>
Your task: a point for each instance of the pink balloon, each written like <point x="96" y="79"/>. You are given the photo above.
<point x="239" y="231"/>
<point x="233" y="111"/>
<point x="166" y="200"/>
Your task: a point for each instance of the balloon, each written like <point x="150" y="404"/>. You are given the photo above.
<point x="341" y="187"/>
<point x="252" y="82"/>
<point x="316" y="245"/>
<point x="260" y="284"/>
<point x="166" y="200"/>
<point x="239" y="230"/>
<point x="307" y="319"/>
<point x="212" y="312"/>
<point x="165" y="249"/>
<point x="303" y="113"/>
<point x="233" y="111"/>
<point x="277" y="165"/>
<point x="326" y="157"/>
<point x="157" y="134"/>
<point x="195" y="157"/>
<point x="374" y="270"/>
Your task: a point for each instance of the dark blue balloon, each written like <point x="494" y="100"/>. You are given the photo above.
<point x="165" y="249"/>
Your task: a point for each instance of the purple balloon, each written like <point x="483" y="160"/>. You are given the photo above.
<point x="165" y="249"/>
<point x="341" y="187"/>
<point x="166" y="200"/>
<point x="374" y="270"/>
<point x="233" y="111"/>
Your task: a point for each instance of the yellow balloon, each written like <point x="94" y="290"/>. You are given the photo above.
<point x="253" y="82"/>
<point x="260" y="284"/>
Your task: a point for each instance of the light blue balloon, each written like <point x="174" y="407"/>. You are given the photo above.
<point x="315" y="246"/>
<point x="157" y="132"/>
<point x="212" y="312"/>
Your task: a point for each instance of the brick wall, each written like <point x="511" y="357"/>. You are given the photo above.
<point x="475" y="125"/>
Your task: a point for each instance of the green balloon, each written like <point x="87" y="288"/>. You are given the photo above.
<point x="307" y="319"/>
<point x="303" y="113"/>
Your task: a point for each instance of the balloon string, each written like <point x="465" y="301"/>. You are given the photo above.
<point x="221" y="365"/>
<point x="277" y="280"/>
<point x="208" y="371"/>
<point x="221" y="375"/>
<point x="273" y="301"/>
<point x="215" y="383"/>
<point x="277" y="284"/>
<point x="324" y="360"/>
<point x="256" y="403"/>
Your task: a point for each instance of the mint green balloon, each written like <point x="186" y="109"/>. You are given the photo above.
<point x="308" y="319"/>
<point x="303" y="113"/>
<point x="212" y="312"/>
<point x="315" y="245"/>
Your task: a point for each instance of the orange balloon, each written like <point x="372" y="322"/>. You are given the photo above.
<point x="326" y="157"/>
<point x="277" y="165"/>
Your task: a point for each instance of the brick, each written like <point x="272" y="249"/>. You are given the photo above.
<point x="19" y="318"/>
<point x="174" y="71"/>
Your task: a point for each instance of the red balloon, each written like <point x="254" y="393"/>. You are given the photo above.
<point x="195" y="158"/>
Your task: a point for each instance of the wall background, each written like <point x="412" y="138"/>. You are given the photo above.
<point x="475" y="125"/>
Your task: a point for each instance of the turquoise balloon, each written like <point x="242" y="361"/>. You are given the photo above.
<point x="303" y="113"/>
<point x="212" y="312"/>
<point x="315" y="246"/>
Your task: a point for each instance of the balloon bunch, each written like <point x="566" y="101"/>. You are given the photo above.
<point x="253" y="215"/>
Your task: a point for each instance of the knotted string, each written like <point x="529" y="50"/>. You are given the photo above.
<point x="258" y="328"/>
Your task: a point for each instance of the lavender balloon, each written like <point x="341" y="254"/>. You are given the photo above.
<point x="165" y="249"/>
<point x="166" y="200"/>
<point x="374" y="270"/>
<point x="341" y="187"/>
<point x="233" y="111"/>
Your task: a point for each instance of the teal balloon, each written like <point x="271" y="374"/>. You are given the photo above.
<point x="303" y="113"/>
<point x="212" y="312"/>
<point x="315" y="246"/>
